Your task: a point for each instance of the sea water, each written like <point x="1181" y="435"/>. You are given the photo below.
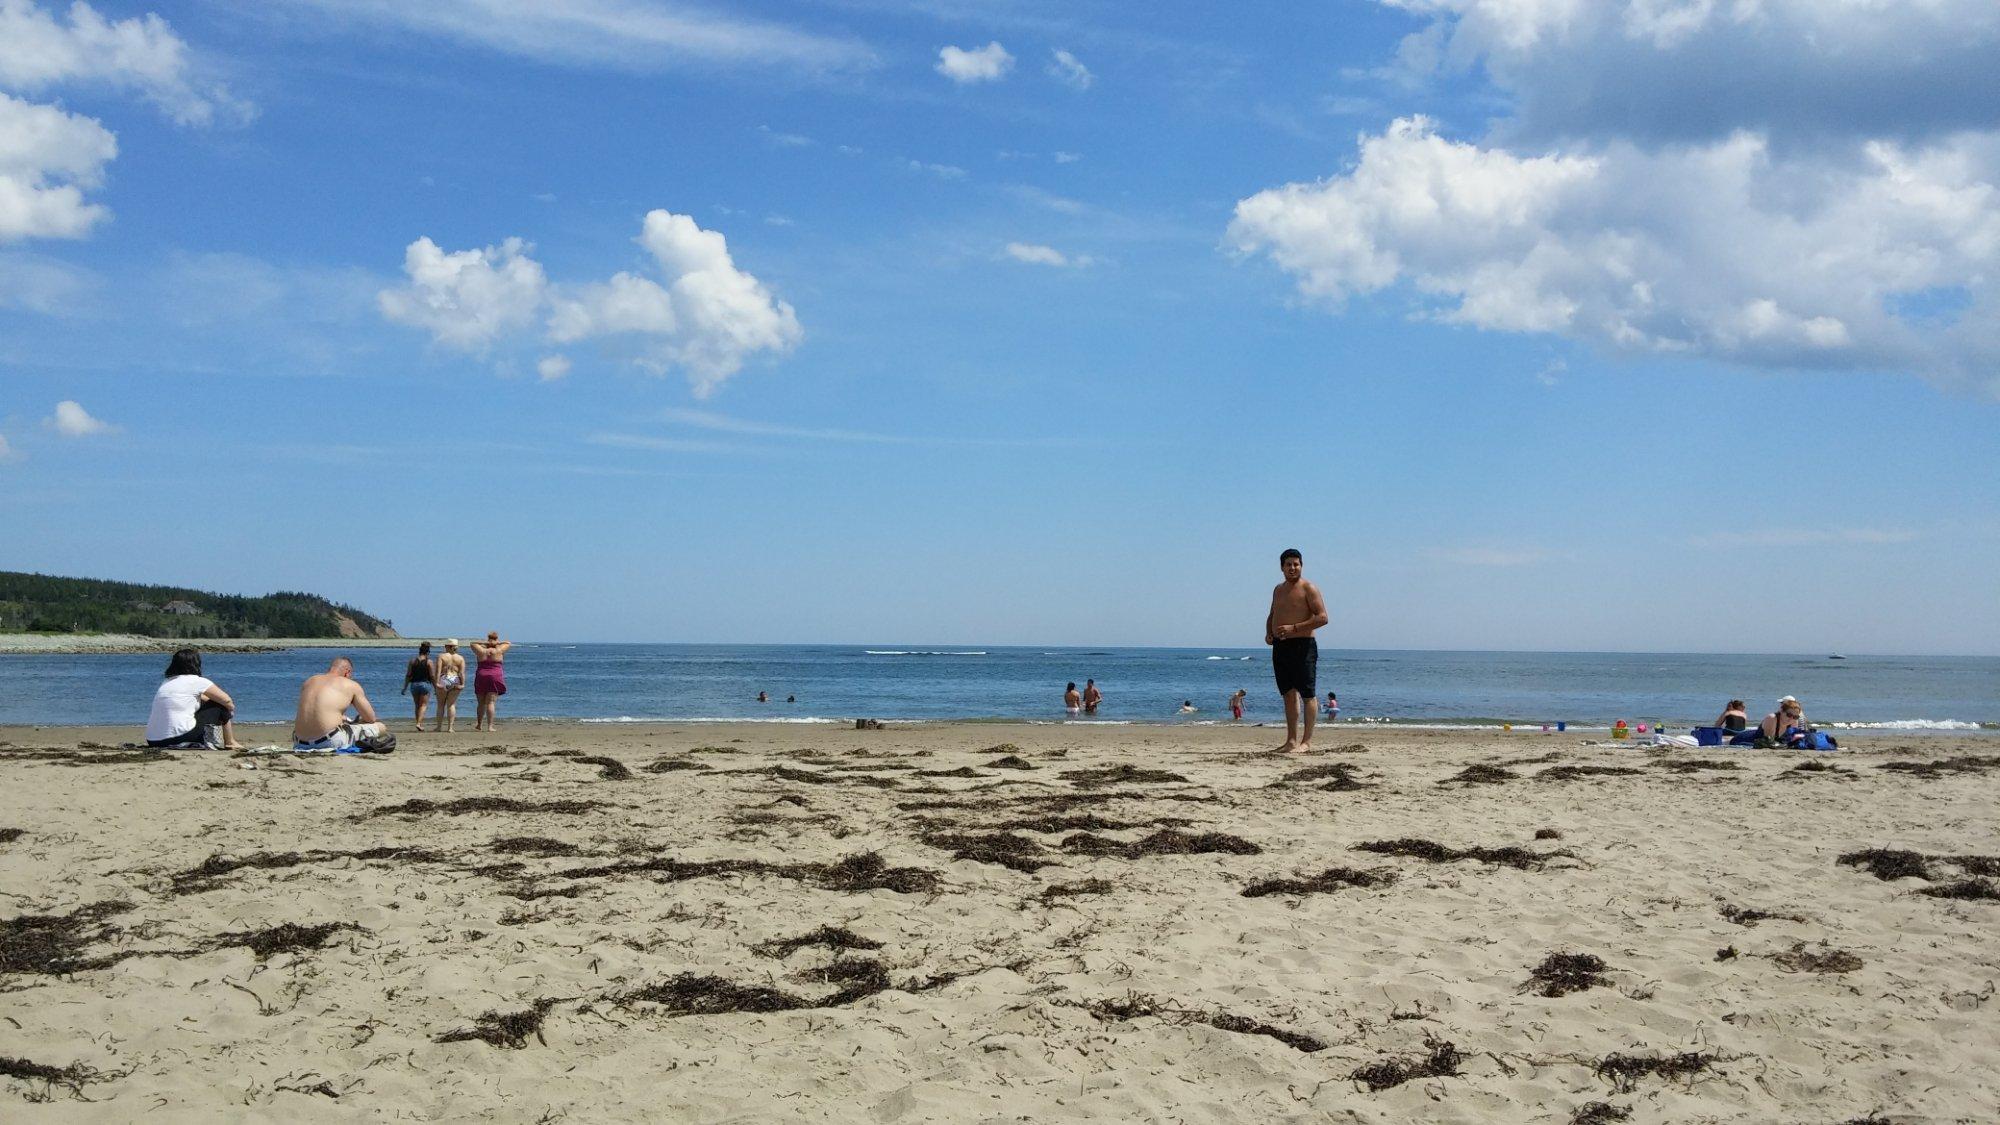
<point x="837" y="683"/>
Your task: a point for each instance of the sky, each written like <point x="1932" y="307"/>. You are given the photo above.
<point x="1535" y="324"/>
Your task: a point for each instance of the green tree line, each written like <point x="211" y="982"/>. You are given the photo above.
<point x="46" y="603"/>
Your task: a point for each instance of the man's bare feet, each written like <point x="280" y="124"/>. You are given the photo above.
<point x="1286" y="748"/>
<point x="1302" y="748"/>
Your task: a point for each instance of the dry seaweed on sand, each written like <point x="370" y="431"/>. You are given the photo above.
<point x="1431" y="851"/>
<point x="715" y="750"/>
<point x="1599" y="1113"/>
<point x="1932" y="770"/>
<point x="1074" y="890"/>
<point x="1624" y="1071"/>
<point x="962" y="771"/>
<point x="1073" y="822"/>
<point x="419" y="806"/>
<point x="1012" y="762"/>
<point x="1332" y="879"/>
<point x="1343" y="778"/>
<point x="92" y="754"/>
<point x="53" y="944"/>
<point x="72" y="1078"/>
<point x="695" y="994"/>
<point x="1121" y="774"/>
<point x="1966" y="890"/>
<point x="1726" y="953"/>
<point x="1006" y="849"/>
<point x="609" y="769"/>
<point x="1548" y="834"/>
<point x="1560" y="974"/>
<point x="1888" y="863"/>
<point x="1480" y="775"/>
<point x="866" y="871"/>
<point x="1746" y="916"/>
<point x="508" y="1030"/>
<point x="814" y="777"/>
<point x="288" y="937"/>
<point x="1695" y="765"/>
<point x="9" y="835"/>
<point x="1571" y="773"/>
<point x="1988" y="865"/>
<point x="1167" y="841"/>
<point x="534" y="846"/>
<point x="1442" y="1062"/>
<point x="1139" y="1006"/>
<point x="1811" y="765"/>
<point x="1799" y="959"/>
<point x="669" y="765"/>
<point x="829" y="937"/>
<point x="204" y="875"/>
<point x="1001" y="748"/>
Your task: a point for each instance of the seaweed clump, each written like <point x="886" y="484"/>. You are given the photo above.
<point x="864" y="871"/>
<point x="694" y="994"/>
<point x="507" y="1030"/>
<point x="1931" y="771"/>
<point x="72" y="1078"/>
<point x="1560" y="974"/>
<point x="1599" y="1113"/>
<point x="419" y="806"/>
<point x="1332" y="879"/>
<point x="1571" y="773"/>
<point x="1746" y="916"/>
<point x="9" y="835"/>
<point x="1624" y="1071"/>
<point x="1480" y="775"/>
<point x="288" y="937"/>
<point x="1012" y="762"/>
<point x="1167" y="841"/>
<point x="1431" y="851"/>
<point x="609" y="769"/>
<point x="1442" y="1062"/>
<point x="830" y="937"/>
<point x="205" y="875"/>
<point x="1695" y="765"/>
<point x="1966" y="890"/>
<point x="1074" y="890"/>
<point x="53" y="944"/>
<point x="540" y="846"/>
<point x="669" y="765"/>
<point x="1121" y="774"/>
<point x="1888" y="863"/>
<point x="1138" y="1006"/>
<point x="1006" y="849"/>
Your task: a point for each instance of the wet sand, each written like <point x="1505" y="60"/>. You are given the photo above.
<point x="988" y="923"/>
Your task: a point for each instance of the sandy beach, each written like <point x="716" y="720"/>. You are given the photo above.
<point x="986" y="922"/>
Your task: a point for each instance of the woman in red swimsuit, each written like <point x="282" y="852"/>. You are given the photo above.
<point x="489" y="680"/>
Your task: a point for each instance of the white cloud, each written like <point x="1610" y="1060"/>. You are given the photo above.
<point x="1725" y="249"/>
<point x="7" y="451"/>
<point x="1064" y="68"/>
<point x="552" y="367"/>
<point x="468" y="299"/>
<point x="633" y="35"/>
<point x="47" y="159"/>
<point x="1061" y="204"/>
<point x="777" y="139"/>
<point x="1038" y="255"/>
<point x="71" y="420"/>
<point x="700" y="314"/>
<point x="38" y="284"/>
<point x="37" y="51"/>
<point x="662" y="444"/>
<point x="941" y="171"/>
<point x="1066" y="157"/>
<point x="981" y="64"/>
<point x="1687" y="69"/>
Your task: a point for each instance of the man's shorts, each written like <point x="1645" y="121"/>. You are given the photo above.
<point x="343" y="738"/>
<point x="1295" y="663"/>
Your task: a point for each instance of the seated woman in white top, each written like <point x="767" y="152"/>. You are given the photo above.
<point x="189" y="711"/>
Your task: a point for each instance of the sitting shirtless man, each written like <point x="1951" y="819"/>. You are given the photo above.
<point x="322" y="722"/>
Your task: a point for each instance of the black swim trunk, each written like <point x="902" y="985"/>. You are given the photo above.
<point x="1295" y="662"/>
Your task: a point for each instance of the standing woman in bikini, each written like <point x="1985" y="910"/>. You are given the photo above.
<point x="489" y="679"/>
<point x="450" y="681"/>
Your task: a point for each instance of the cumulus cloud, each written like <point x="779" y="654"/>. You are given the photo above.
<point x="469" y="298"/>
<point x="1038" y="255"/>
<point x="1721" y="249"/>
<point x="941" y="171"/>
<point x="48" y="158"/>
<point x="552" y="367"/>
<point x="39" y="51"/>
<point x="1688" y="69"/>
<point x="696" y="312"/>
<point x="71" y="420"/>
<point x="981" y="64"/>
<point x="1064" y="68"/>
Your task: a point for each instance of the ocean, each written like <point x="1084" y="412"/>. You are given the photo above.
<point x="837" y="683"/>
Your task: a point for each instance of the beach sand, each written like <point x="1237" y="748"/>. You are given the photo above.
<point x="591" y="957"/>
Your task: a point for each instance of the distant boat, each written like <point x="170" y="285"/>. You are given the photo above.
<point x="1836" y="656"/>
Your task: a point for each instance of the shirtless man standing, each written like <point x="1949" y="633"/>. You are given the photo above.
<point x="322" y="722"/>
<point x="1296" y="610"/>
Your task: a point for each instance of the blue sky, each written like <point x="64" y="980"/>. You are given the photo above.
<point x="1643" y="324"/>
